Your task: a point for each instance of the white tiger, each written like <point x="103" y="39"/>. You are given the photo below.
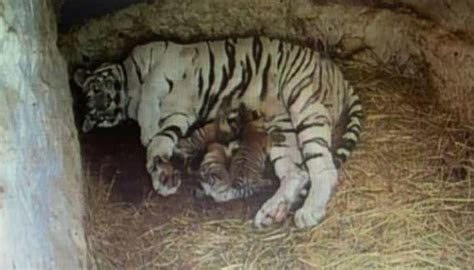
<point x="167" y="87"/>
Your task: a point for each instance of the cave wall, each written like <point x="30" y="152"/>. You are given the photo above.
<point x="392" y="30"/>
<point x="41" y="198"/>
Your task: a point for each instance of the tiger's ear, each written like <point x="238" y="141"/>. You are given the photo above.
<point x="80" y="76"/>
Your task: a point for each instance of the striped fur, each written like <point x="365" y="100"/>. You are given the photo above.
<point x="224" y="128"/>
<point x="247" y="165"/>
<point x="242" y="169"/>
<point x="215" y="179"/>
<point x="168" y="87"/>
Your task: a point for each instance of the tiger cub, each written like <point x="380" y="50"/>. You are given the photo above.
<point x="223" y="129"/>
<point x="237" y="171"/>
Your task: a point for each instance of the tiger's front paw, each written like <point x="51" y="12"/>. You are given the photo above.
<point x="166" y="179"/>
<point x="307" y="217"/>
<point x="276" y="209"/>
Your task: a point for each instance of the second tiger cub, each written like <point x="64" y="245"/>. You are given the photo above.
<point x="237" y="170"/>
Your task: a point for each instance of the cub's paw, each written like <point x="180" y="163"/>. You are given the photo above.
<point x="307" y="217"/>
<point x="166" y="179"/>
<point x="276" y="209"/>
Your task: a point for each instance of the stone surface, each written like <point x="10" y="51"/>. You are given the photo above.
<point x="390" y="29"/>
<point x="455" y="15"/>
<point x="41" y="198"/>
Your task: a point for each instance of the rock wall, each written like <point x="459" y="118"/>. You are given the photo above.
<point x="392" y="30"/>
<point x="41" y="198"/>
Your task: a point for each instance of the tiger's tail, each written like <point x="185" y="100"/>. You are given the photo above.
<point x="349" y="129"/>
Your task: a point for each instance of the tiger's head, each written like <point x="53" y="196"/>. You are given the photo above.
<point x="104" y="91"/>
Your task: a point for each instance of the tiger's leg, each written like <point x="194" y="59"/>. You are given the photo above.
<point x="286" y="159"/>
<point x="166" y="180"/>
<point x="314" y="137"/>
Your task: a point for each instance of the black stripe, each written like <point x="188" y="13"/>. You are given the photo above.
<point x="204" y="107"/>
<point x="225" y="79"/>
<point x="280" y="53"/>
<point x="325" y="94"/>
<point x="355" y="132"/>
<point x="292" y="65"/>
<point x="150" y="60"/>
<point x="137" y="70"/>
<point x="295" y="71"/>
<point x="124" y="77"/>
<point x="165" y="118"/>
<point x="195" y="56"/>
<point x="302" y="127"/>
<point x="211" y="104"/>
<point x="319" y="141"/>
<point x="281" y="130"/>
<point x="170" y="84"/>
<point x="230" y="52"/>
<point x="211" y="68"/>
<point x="329" y="79"/>
<point x="348" y="144"/>
<point x="281" y="144"/>
<point x="281" y="120"/>
<point x="264" y="90"/>
<point x="357" y="114"/>
<point x="165" y="135"/>
<point x="355" y="103"/>
<point x="170" y="134"/>
<point x="300" y="65"/>
<point x="173" y="129"/>
<point x="282" y="71"/>
<point x="257" y="52"/>
<point x="355" y="124"/>
<point x="302" y="84"/>
<point x="317" y="116"/>
<point x="310" y="157"/>
<point x="342" y="157"/>
<point x="273" y="161"/>
<point x="200" y="82"/>
<point x="284" y="120"/>
<point x="245" y="87"/>
<point x="316" y="94"/>
<point x="241" y="83"/>
<point x="216" y="97"/>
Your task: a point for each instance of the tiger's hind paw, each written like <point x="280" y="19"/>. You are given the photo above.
<point x="307" y="217"/>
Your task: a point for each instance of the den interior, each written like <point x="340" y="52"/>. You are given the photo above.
<point x="404" y="198"/>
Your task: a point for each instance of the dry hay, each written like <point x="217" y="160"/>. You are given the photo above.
<point x="404" y="200"/>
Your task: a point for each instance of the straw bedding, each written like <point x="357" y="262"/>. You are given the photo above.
<point x="404" y="200"/>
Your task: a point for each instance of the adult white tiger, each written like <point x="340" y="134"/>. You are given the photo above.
<point x="167" y="87"/>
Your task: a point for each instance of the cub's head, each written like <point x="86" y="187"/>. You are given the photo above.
<point x="104" y="91"/>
